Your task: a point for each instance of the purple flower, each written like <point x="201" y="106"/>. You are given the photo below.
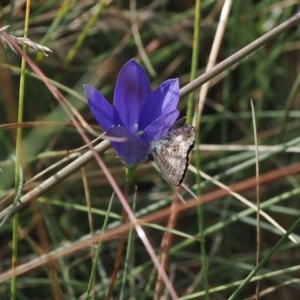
<point x="137" y="114"/>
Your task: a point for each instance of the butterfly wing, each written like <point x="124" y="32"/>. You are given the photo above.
<point x="171" y="153"/>
<point x="178" y="124"/>
<point x="172" y="168"/>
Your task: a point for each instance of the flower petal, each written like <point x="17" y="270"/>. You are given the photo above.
<point x="160" y="126"/>
<point x="132" y="151"/>
<point x="163" y="100"/>
<point x="100" y="107"/>
<point x="131" y="93"/>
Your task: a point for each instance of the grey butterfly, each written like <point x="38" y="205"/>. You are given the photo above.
<point x="171" y="152"/>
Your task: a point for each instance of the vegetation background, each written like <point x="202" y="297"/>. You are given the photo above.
<point x="91" y="41"/>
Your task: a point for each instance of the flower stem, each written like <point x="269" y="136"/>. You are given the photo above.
<point x="13" y="287"/>
<point x="190" y="111"/>
<point x="129" y="174"/>
<point x="129" y="253"/>
<point x="195" y="59"/>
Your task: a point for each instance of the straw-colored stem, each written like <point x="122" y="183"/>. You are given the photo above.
<point x="212" y="58"/>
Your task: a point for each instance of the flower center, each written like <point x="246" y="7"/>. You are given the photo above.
<point x="135" y="128"/>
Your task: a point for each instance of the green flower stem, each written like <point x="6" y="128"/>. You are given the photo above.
<point x="13" y="287"/>
<point x="128" y="254"/>
<point x="190" y="111"/>
<point x="129" y="174"/>
<point x="195" y="59"/>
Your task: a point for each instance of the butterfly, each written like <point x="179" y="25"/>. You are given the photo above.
<point x="171" y="152"/>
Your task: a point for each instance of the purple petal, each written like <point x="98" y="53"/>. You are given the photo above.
<point x="99" y="107"/>
<point x="132" y="151"/>
<point x="160" y="126"/>
<point x="131" y="93"/>
<point x="117" y="118"/>
<point x="163" y="100"/>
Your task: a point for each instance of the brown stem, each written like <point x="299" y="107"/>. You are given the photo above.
<point x="166" y="244"/>
<point x="120" y="249"/>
